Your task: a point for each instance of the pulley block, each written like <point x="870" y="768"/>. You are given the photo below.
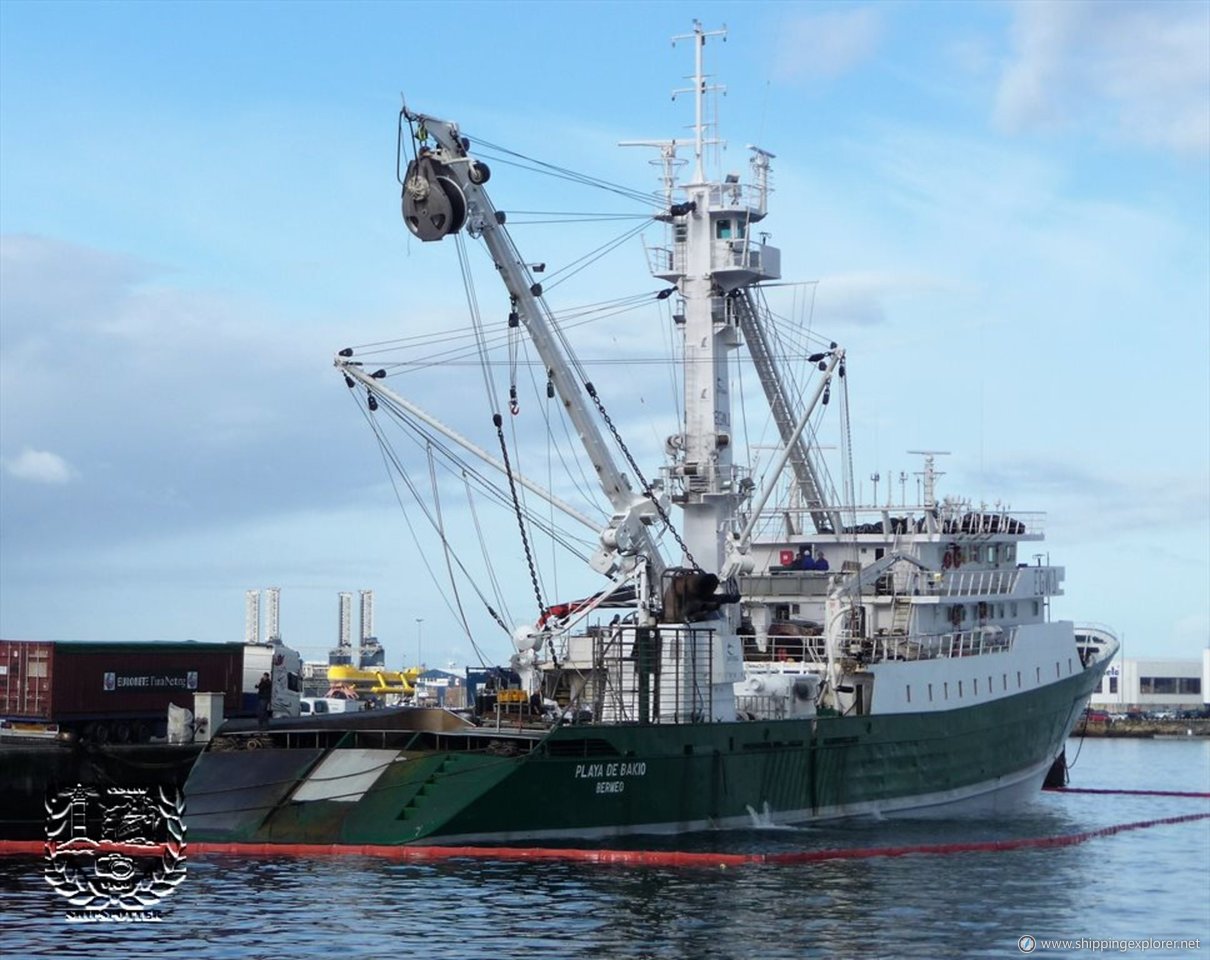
<point x="434" y="206"/>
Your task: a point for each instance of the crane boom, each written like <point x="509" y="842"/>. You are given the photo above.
<point x="442" y="192"/>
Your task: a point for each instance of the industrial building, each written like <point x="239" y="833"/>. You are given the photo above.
<point x="1154" y="685"/>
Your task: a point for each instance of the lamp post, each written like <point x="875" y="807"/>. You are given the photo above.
<point x="419" y="653"/>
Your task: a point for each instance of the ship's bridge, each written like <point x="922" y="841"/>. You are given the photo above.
<point x="737" y="257"/>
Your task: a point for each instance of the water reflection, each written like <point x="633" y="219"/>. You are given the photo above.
<point x="1145" y="883"/>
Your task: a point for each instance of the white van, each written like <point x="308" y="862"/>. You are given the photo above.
<point x="314" y="706"/>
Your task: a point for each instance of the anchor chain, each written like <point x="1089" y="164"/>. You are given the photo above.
<point x="592" y="392"/>
<point x="512" y="486"/>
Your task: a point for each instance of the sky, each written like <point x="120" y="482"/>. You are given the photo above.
<point x="1005" y="208"/>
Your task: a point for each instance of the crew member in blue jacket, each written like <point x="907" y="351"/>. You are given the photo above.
<point x="804" y="560"/>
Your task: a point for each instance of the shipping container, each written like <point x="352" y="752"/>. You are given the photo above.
<point x="121" y="691"/>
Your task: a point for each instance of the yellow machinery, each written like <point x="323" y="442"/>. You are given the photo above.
<point x="378" y="682"/>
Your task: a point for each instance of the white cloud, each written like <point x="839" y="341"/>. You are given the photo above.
<point x="828" y="44"/>
<point x="39" y="466"/>
<point x="1103" y="508"/>
<point x="860" y="298"/>
<point x="181" y="406"/>
<point x="1140" y="72"/>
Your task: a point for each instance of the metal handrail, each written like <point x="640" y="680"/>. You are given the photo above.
<point x="961" y="643"/>
<point x="674" y="692"/>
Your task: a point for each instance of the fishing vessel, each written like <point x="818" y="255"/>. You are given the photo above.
<point x="758" y="642"/>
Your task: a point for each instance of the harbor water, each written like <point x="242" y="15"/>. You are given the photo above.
<point x="1150" y="884"/>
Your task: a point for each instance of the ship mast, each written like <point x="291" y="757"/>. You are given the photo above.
<point x="711" y="256"/>
<point x="715" y="264"/>
<point x="699" y="92"/>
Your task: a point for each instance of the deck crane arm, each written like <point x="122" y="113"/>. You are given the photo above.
<point x="443" y="191"/>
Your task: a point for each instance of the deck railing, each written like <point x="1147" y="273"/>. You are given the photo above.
<point x="798" y="648"/>
<point x="960" y="643"/>
<point x="762" y="706"/>
<point x="976" y="583"/>
<point x="662" y="675"/>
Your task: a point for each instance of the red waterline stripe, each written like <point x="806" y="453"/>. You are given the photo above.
<point x="659" y="858"/>
<point x="663" y="858"/>
<point x="1136" y="793"/>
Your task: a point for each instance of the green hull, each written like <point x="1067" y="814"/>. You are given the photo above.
<point x="598" y="780"/>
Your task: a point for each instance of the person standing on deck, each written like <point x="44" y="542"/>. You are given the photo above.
<point x="264" y="697"/>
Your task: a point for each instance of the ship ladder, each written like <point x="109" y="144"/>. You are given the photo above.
<point x="423" y="790"/>
<point x="901" y="615"/>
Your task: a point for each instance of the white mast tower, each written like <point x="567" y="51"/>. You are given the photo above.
<point x="251" y="616"/>
<point x="273" y="595"/>
<point x="710" y="256"/>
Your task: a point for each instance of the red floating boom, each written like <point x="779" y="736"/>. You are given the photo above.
<point x="650" y="858"/>
<point x="1135" y="793"/>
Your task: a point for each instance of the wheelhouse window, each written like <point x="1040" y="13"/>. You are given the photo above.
<point x="728" y="229"/>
